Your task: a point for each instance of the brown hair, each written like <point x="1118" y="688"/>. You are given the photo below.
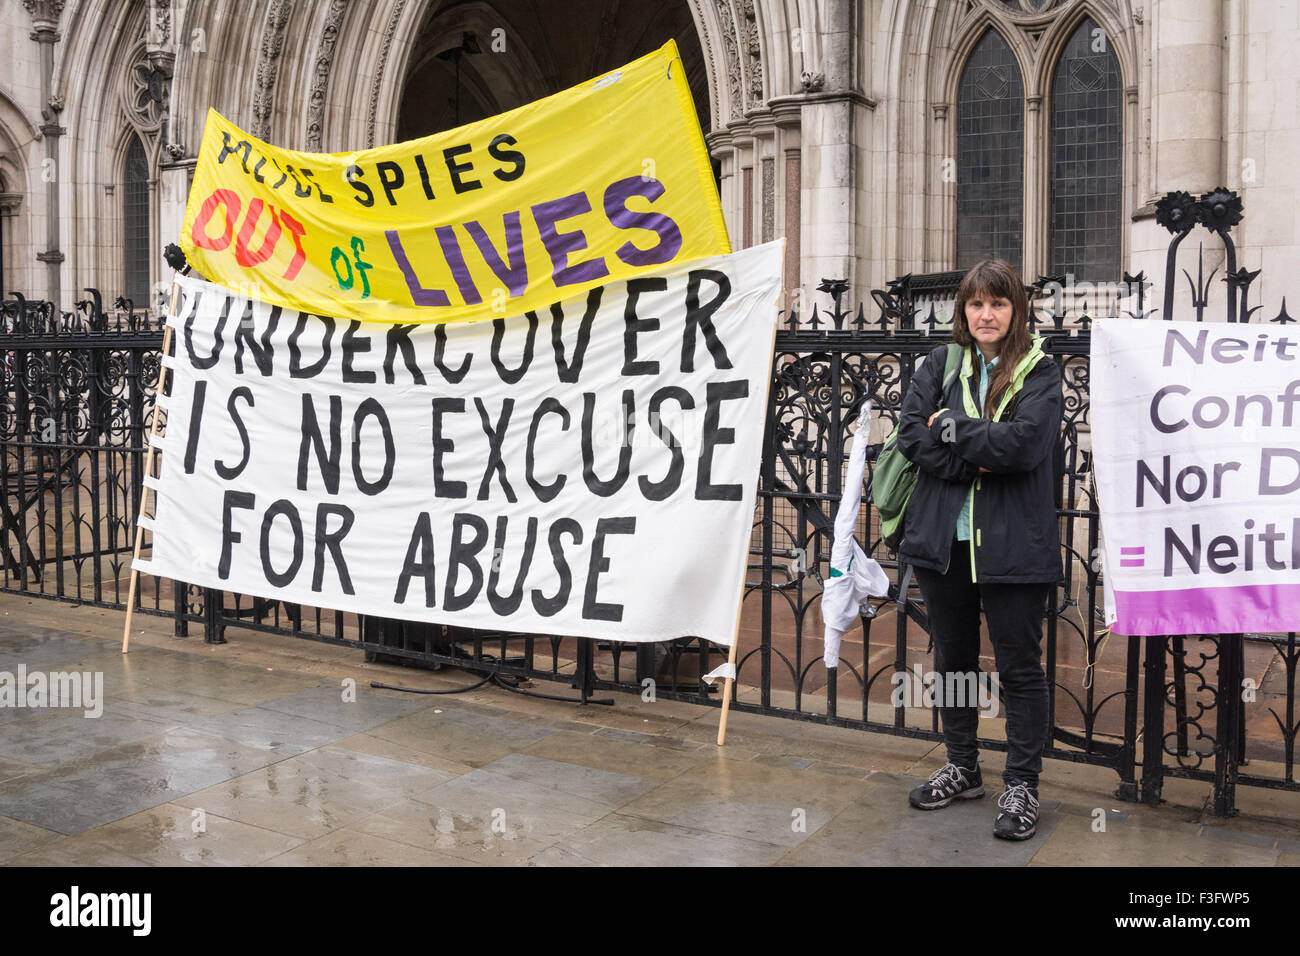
<point x="998" y="279"/>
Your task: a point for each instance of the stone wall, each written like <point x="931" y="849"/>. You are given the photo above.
<point x="830" y="121"/>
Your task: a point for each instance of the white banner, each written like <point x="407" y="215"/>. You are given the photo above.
<point x="1196" y="443"/>
<point x="589" y="470"/>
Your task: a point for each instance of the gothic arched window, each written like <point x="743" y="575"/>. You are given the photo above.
<point x="990" y="154"/>
<point x="1086" y="170"/>
<point x="135" y="225"/>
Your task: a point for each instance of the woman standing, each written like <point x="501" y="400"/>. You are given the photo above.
<point x="980" y="529"/>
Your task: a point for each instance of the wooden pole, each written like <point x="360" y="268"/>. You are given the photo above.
<point x="148" y="470"/>
<point x="744" y="565"/>
<point x="731" y="661"/>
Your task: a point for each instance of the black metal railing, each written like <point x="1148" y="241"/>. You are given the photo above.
<point x="78" y="401"/>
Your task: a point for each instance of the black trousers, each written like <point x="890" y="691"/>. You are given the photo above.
<point x="1015" y="617"/>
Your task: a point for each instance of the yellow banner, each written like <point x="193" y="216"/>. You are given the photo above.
<point x="507" y="215"/>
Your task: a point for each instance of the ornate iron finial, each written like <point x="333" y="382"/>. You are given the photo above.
<point x="1220" y="209"/>
<point x="1176" y="211"/>
<point x="1139" y="286"/>
<point x="1282" y="317"/>
<point x="1200" y="287"/>
<point x="884" y="302"/>
<point x="904" y="306"/>
<point x="174" y="257"/>
<point x="1241" y="279"/>
<point x="836" y="288"/>
<point x="931" y="320"/>
<point x="96" y="316"/>
<point x="1138" y="283"/>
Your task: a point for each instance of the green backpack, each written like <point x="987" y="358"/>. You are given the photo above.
<point x="894" y="477"/>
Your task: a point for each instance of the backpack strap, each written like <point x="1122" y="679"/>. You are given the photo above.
<point x="951" y="366"/>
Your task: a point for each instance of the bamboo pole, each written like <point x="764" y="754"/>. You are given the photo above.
<point x="149" y="457"/>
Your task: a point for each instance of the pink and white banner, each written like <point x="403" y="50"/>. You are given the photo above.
<point x="1196" y="444"/>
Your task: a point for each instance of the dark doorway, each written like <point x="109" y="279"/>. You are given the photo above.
<point x="542" y="47"/>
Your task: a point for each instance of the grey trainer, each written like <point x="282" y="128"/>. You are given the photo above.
<point x="950" y="782"/>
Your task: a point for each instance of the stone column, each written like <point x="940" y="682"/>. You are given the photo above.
<point x="1187" y="99"/>
<point x="835" y="121"/>
<point x="166" y="212"/>
<point x="743" y="151"/>
<point x="1185" y="41"/>
<point x="940" y="240"/>
<point x="1034" y="253"/>
<point x="45" y="24"/>
<point x="9" y="203"/>
<point x="1132" y="199"/>
<point x="174" y="173"/>
<point x="720" y="150"/>
<point x="786" y="151"/>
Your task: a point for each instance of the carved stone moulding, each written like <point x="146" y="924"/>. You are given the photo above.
<point x="321" y="78"/>
<point x="268" y="65"/>
<point x="44" y="13"/>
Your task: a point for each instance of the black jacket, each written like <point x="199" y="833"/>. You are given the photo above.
<point x="1014" y="533"/>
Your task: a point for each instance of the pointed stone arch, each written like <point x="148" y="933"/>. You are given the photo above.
<point x="18" y="177"/>
<point x="496" y="82"/>
<point x="970" y="34"/>
<point x="1036" y="40"/>
<point x="136" y="256"/>
<point x="97" y="114"/>
<point x="1059" y="32"/>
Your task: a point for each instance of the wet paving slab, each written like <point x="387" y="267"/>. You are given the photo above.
<point x="294" y="798"/>
<point x="349" y="847"/>
<point x="531" y="798"/>
<point x="118" y="781"/>
<point x="466" y="830"/>
<point x="9" y="769"/>
<point x="266" y="729"/>
<point x="347" y="707"/>
<point x="50" y="738"/>
<point x="625" y="840"/>
<point x="17" y="837"/>
<point x="880" y="828"/>
<point x="468" y="737"/>
<point x="42" y="647"/>
<point x="173" y="835"/>
<point x="285" y="756"/>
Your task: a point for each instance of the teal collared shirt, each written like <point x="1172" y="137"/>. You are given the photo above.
<point x="986" y="373"/>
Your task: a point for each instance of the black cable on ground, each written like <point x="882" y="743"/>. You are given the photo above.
<point x="417" y="690"/>
<point x="496" y="679"/>
<point x="500" y="680"/>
